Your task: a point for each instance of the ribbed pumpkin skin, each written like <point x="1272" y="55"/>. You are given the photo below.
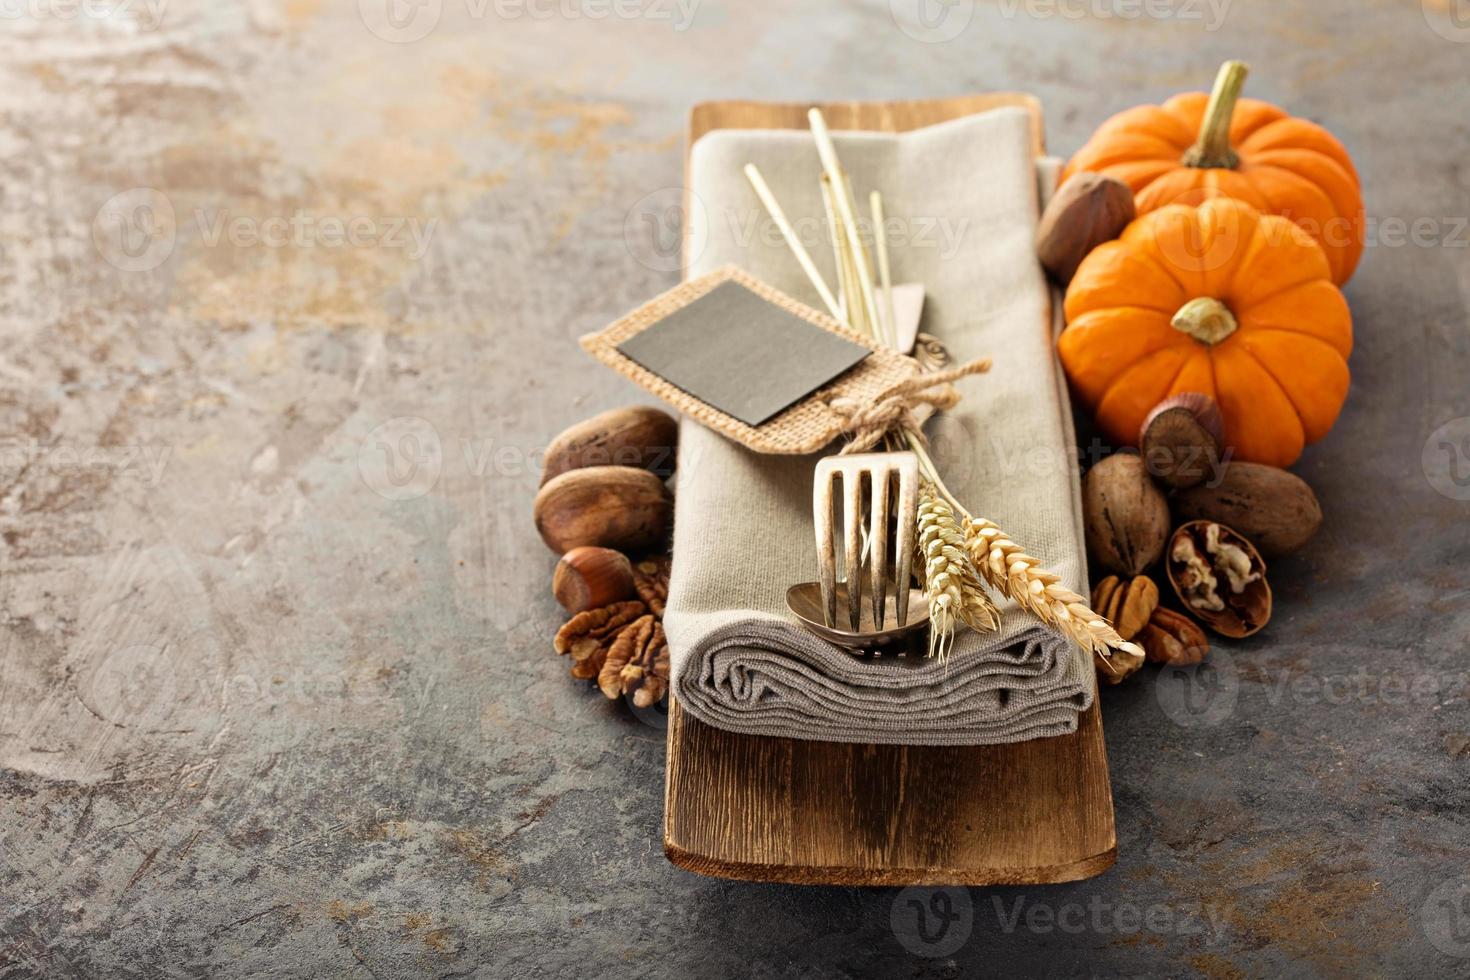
<point x="1288" y="166"/>
<point x="1280" y="379"/>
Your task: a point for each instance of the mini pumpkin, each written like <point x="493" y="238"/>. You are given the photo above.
<point x="1218" y="299"/>
<point x="1197" y="146"/>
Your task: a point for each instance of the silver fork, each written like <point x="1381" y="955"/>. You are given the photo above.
<point x="882" y="470"/>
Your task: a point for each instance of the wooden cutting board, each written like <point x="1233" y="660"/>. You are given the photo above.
<point x="781" y="809"/>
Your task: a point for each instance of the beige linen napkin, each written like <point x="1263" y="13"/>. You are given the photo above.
<point x="962" y="200"/>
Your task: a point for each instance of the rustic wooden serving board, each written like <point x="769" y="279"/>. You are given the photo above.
<point x="780" y="809"/>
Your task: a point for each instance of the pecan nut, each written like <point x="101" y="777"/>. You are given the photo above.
<point x="651" y="579"/>
<point x="637" y="663"/>
<point x="588" y="635"/>
<point x="1127" y="606"/>
<point x="1173" y="639"/>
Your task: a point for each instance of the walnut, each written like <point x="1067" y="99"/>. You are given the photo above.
<point x="1197" y="583"/>
<point x="1220" y="578"/>
<point x="637" y="664"/>
<point x="651" y="579"/>
<point x="1230" y="559"/>
<point x="588" y="635"/>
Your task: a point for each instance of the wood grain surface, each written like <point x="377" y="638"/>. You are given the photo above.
<point x="787" y="810"/>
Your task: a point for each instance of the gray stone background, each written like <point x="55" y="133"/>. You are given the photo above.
<point x="276" y="688"/>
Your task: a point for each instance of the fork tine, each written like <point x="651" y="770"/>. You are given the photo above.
<point x="822" y="499"/>
<point x="908" y="508"/>
<point x="878" y="541"/>
<point x="852" y="488"/>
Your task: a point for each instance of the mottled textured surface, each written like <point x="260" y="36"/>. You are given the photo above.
<point x="267" y="707"/>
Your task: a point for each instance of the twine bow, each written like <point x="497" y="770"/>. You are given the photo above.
<point x="868" y="424"/>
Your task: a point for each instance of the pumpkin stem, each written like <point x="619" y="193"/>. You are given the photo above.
<point x="1206" y="319"/>
<point x="1212" y="148"/>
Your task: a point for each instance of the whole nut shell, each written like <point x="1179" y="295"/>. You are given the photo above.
<point x="590" y="577"/>
<point x="1125" y="514"/>
<point x="1239" y="614"/>
<point x="1275" y="509"/>
<point x="1180" y="439"/>
<point x="1086" y="211"/>
<point x="636" y="435"/>
<point x="618" y="507"/>
<point x="1173" y="639"/>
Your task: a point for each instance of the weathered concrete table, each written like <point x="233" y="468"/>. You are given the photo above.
<point x="289" y="292"/>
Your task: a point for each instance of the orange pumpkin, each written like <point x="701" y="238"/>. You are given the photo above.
<point x="1197" y="146"/>
<point x="1218" y="299"/>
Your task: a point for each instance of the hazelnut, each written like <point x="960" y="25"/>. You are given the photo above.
<point x="1125" y="515"/>
<point x="1220" y="578"/>
<point x="590" y="577"/>
<point x="1180" y="439"/>
<point x="1275" y="509"/>
<point x="619" y="507"/>
<point x="1086" y="211"/>
<point x="637" y="436"/>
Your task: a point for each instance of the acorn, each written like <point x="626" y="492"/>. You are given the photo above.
<point x="1180" y="440"/>
<point x="589" y="577"/>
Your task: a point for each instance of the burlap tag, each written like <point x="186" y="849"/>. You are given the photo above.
<point x="805" y="427"/>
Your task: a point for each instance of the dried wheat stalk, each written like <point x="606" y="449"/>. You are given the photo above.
<point x="951" y="586"/>
<point x="976" y="609"/>
<point x="1012" y="572"/>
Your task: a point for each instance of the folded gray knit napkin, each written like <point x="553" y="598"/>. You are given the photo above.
<point x="962" y="203"/>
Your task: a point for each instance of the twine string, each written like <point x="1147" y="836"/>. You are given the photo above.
<point x="867" y="424"/>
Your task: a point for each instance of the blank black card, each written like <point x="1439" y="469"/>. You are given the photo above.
<point x="739" y="352"/>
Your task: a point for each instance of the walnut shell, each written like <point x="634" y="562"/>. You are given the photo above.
<point x="1125" y="514"/>
<point x="1086" y="211"/>
<point x="1234" y="602"/>
<point x="1180" y="439"/>
<point x="589" y="577"/>
<point x="1275" y="509"/>
<point x="618" y="507"/>
<point x="637" y="435"/>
